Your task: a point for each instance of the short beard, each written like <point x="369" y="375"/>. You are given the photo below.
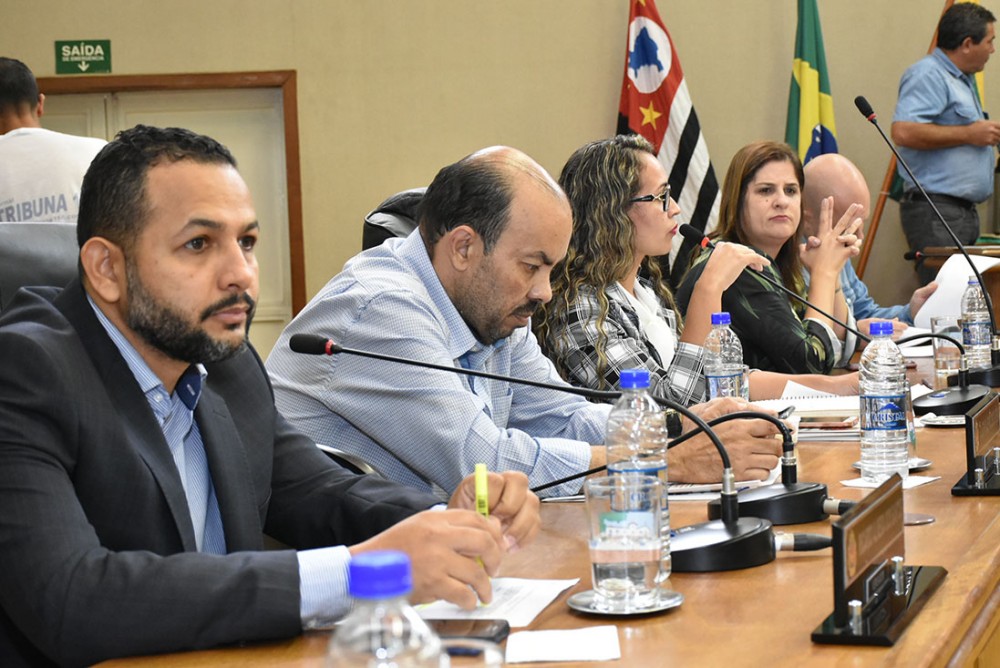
<point x="168" y="331"/>
<point x="474" y="304"/>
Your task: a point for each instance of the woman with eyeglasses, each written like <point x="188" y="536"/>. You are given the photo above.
<point x="762" y="208"/>
<point x="603" y="317"/>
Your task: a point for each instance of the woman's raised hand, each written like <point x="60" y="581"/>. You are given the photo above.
<point x="834" y="243"/>
<point x="728" y="261"/>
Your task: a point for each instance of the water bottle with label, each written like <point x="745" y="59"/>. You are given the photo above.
<point x="724" y="368"/>
<point x="636" y="442"/>
<point x="885" y="409"/>
<point x="383" y="629"/>
<point x="975" y="326"/>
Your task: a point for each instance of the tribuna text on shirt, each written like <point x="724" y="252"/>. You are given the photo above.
<point x="36" y="209"/>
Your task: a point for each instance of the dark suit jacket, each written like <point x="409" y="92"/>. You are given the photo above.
<point x="97" y="550"/>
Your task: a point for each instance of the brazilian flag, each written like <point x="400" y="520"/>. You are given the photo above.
<point x="810" y="129"/>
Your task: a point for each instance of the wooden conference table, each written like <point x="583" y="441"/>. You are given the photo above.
<point x="764" y="615"/>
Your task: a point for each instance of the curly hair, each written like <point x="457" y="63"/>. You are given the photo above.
<point x="742" y="170"/>
<point x="599" y="179"/>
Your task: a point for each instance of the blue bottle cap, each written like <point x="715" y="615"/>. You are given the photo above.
<point x="880" y="328"/>
<point x="634" y="379"/>
<point x="380" y="574"/>
<point x="721" y="318"/>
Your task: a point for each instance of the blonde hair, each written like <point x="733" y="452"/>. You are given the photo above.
<point x="599" y="179"/>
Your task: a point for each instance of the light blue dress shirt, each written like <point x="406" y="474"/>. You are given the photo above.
<point x="424" y="428"/>
<point x="934" y="90"/>
<point x="862" y="303"/>
<point x="322" y="571"/>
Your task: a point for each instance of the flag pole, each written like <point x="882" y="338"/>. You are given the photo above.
<point x="890" y="173"/>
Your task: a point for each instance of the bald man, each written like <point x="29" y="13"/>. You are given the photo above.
<point x="460" y="291"/>
<point x="833" y="175"/>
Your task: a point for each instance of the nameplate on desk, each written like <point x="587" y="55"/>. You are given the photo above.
<point x="874" y="595"/>
<point x="982" y="436"/>
<point x="864" y="542"/>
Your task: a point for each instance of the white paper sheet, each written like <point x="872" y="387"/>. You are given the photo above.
<point x="952" y="279"/>
<point x="597" y="643"/>
<point x="913" y="330"/>
<point x="908" y="483"/>
<point x="518" y="600"/>
<point x="917" y="352"/>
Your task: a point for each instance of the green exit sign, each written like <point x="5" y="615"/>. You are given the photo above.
<point x="83" y="56"/>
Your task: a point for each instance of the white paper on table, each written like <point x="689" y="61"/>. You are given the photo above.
<point x="952" y="279"/>
<point x="913" y="330"/>
<point x="518" y="600"/>
<point x="597" y="643"/>
<point x="794" y="390"/>
<point x="917" y="352"/>
<point x="909" y="482"/>
<point x="694" y="491"/>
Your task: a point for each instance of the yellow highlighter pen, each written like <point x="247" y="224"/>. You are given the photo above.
<point x="482" y="496"/>
<point x="482" y="491"/>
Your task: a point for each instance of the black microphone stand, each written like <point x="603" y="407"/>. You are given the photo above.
<point x="791" y="501"/>
<point x="729" y="543"/>
<point x="991" y="375"/>
<point x="953" y="401"/>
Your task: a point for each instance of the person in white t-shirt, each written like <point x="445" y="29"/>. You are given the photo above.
<point x="40" y="170"/>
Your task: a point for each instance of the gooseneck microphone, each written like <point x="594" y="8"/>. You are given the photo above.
<point x="913" y="255"/>
<point x="787" y="502"/>
<point x="729" y="543"/>
<point x="953" y="401"/>
<point x="991" y="375"/>
<point x="701" y="240"/>
<point x="313" y="344"/>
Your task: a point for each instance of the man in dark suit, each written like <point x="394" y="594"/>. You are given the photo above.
<point x="142" y="457"/>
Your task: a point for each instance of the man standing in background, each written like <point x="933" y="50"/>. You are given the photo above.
<point x="40" y="170"/>
<point x="943" y="133"/>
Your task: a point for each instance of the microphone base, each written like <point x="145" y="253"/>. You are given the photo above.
<point x="990" y="377"/>
<point x="953" y="401"/>
<point x="781" y="503"/>
<point x="716" y="546"/>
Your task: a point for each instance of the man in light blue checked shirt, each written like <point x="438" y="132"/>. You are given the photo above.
<point x="459" y="291"/>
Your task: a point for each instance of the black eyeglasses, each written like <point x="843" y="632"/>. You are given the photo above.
<point x="663" y="198"/>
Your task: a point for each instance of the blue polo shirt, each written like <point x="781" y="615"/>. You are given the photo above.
<point x="934" y="90"/>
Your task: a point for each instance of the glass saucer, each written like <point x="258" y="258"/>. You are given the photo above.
<point x="584" y="602"/>
<point x="915" y="464"/>
<point x="943" y="420"/>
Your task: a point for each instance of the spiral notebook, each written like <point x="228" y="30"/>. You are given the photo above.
<point x="814" y="403"/>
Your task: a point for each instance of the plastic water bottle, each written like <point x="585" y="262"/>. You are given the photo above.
<point x="975" y="326"/>
<point x="636" y="442"/>
<point x="886" y="410"/>
<point x="724" y="360"/>
<point x="383" y="630"/>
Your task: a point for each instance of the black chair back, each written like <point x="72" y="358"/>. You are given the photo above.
<point x="36" y="253"/>
<point x="395" y="217"/>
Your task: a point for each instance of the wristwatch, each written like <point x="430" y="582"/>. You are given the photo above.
<point x="674" y="426"/>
